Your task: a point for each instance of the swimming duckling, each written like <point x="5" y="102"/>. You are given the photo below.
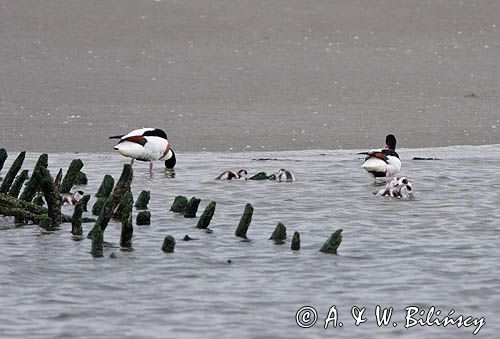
<point x="398" y="187"/>
<point x="285" y="175"/>
<point x="231" y="175"/>
<point x="71" y="198"/>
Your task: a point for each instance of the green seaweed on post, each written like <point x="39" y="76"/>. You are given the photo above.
<point x="179" y="204"/>
<point x="127" y="230"/>
<point x="45" y="222"/>
<point x="33" y="185"/>
<point x="279" y="234"/>
<point x="97" y="242"/>
<point x="3" y="157"/>
<point x="142" y="200"/>
<point x="81" y="179"/>
<point x="207" y="215"/>
<point x="76" y="219"/>
<point x="192" y="208"/>
<point x="333" y="243"/>
<point x="15" y="189"/>
<point x="106" y="187"/>
<point x="11" y="174"/>
<point x="246" y="219"/>
<point x="98" y="205"/>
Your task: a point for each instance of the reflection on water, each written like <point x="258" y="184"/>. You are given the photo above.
<point x="440" y="249"/>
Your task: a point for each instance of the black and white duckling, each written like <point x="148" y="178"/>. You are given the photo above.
<point x="231" y="175"/>
<point x="383" y="163"/>
<point x="72" y="198"/>
<point x="285" y="175"/>
<point x="146" y="144"/>
<point x="398" y="187"/>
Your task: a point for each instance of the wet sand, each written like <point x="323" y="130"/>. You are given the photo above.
<point x="249" y="75"/>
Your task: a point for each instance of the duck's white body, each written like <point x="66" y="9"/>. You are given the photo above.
<point x="146" y="144"/>
<point x="232" y="175"/>
<point x="390" y="167"/>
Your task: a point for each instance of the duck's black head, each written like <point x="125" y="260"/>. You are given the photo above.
<point x="170" y="162"/>
<point x="156" y="133"/>
<point x="390" y="141"/>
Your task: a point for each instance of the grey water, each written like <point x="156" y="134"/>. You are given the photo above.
<point x="440" y="249"/>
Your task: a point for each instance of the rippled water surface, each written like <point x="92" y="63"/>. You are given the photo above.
<point x="441" y="249"/>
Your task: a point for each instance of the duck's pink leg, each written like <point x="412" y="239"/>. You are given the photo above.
<point x="131" y="161"/>
<point x="151" y="167"/>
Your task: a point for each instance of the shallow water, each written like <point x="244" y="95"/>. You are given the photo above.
<point x="440" y="249"/>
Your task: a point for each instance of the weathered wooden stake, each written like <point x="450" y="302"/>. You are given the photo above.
<point x="11" y="174"/>
<point x="18" y="184"/>
<point x="207" y="216"/>
<point x="98" y="205"/>
<point x="76" y="219"/>
<point x="127" y="227"/>
<point x="246" y="219"/>
<point x="333" y="242"/>
<point x="52" y="197"/>
<point x="34" y="183"/>
<point x="168" y="244"/>
<point x="142" y="200"/>
<point x="69" y="179"/>
<point x="279" y="234"/>
<point x="179" y="204"/>
<point x="296" y="241"/>
<point x="45" y="222"/>
<point x="106" y="187"/>
<point x="192" y="208"/>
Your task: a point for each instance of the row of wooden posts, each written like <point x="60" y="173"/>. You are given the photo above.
<point x="113" y="201"/>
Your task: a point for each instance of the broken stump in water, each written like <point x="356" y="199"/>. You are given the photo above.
<point x="168" y="244"/>
<point x="279" y="234"/>
<point x="192" y="208"/>
<point x="207" y="216"/>
<point x="179" y="204"/>
<point x="143" y="218"/>
<point x="127" y="230"/>
<point x="142" y="200"/>
<point x="3" y="157"/>
<point x="11" y="174"/>
<point x="15" y="189"/>
<point x="76" y="219"/>
<point x="45" y="222"/>
<point x="98" y="205"/>
<point x="296" y="241"/>
<point x="246" y="219"/>
<point x="106" y="187"/>
<point x="333" y="242"/>
<point x="69" y="179"/>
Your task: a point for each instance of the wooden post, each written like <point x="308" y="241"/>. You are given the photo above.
<point x="18" y="184"/>
<point x="142" y="200"/>
<point x="143" y="218"/>
<point x="3" y="157"/>
<point x="207" y="216"/>
<point x="179" y="204"/>
<point x="106" y="187"/>
<point x="333" y="242"/>
<point x="11" y="174"/>
<point x="296" y="241"/>
<point x="34" y="183"/>
<point x="246" y="219"/>
<point x="127" y="227"/>
<point x="69" y="179"/>
<point x="279" y="234"/>
<point x="76" y="220"/>
<point x="168" y="244"/>
<point x="192" y="208"/>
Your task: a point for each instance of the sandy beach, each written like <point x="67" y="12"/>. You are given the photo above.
<point x="249" y="75"/>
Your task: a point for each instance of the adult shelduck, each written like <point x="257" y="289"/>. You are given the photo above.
<point x="146" y="144"/>
<point x="385" y="162"/>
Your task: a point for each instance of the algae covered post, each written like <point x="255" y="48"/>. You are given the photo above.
<point x="34" y="182"/>
<point x="76" y="220"/>
<point x="192" y="208"/>
<point x="279" y="234"/>
<point x="97" y="242"/>
<point x="246" y="219"/>
<point x="296" y="241"/>
<point x="69" y="179"/>
<point x="207" y="216"/>
<point x="143" y="218"/>
<point x="333" y="243"/>
<point x="11" y="174"/>
<point x="127" y="230"/>
<point x="168" y="244"/>
<point x="15" y="189"/>
<point x="3" y="157"/>
<point x="179" y="204"/>
<point x="142" y="200"/>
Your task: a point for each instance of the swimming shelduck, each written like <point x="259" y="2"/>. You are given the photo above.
<point x="72" y="198"/>
<point x="231" y="175"/>
<point x="385" y="162"/>
<point x="146" y="144"/>
<point x="398" y="187"/>
<point x="285" y="175"/>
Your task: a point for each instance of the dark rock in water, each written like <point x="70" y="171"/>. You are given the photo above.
<point x="168" y="244"/>
<point x="98" y="205"/>
<point x="421" y="158"/>
<point x="333" y="243"/>
<point x="81" y="179"/>
<point x="229" y="261"/>
<point x="279" y="234"/>
<point x="106" y="187"/>
<point x="142" y="200"/>
<point x="192" y="208"/>
<point x="207" y="216"/>
<point x="69" y="179"/>
<point x="188" y="238"/>
<point x="246" y="219"/>
<point x="143" y="218"/>
<point x="113" y="255"/>
<point x="179" y="204"/>
<point x="296" y="241"/>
